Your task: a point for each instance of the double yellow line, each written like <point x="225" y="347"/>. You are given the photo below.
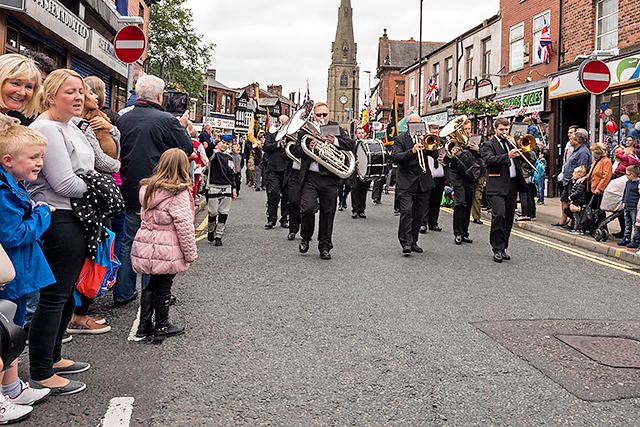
<point x="201" y="228"/>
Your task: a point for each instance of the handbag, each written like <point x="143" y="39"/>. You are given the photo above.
<point x="99" y="274"/>
<point x="7" y="272"/>
<point x="588" y="217"/>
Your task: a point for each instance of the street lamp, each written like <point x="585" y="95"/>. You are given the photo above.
<point x="476" y="83"/>
<point x="420" y="62"/>
<point x="353" y="104"/>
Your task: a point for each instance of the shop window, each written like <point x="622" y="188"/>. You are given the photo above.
<point x="625" y="106"/>
<point x="12" y="40"/>
<point x="607" y="24"/>
<point x="539" y="21"/>
<point x="19" y="42"/>
<point x="27" y="43"/>
<point x="516" y="47"/>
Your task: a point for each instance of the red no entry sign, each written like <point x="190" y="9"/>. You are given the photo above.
<point x="129" y="44"/>
<point x="594" y="76"/>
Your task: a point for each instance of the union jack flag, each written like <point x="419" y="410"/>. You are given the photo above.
<point x="535" y="116"/>
<point x="432" y="90"/>
<point x="544" y="45"/>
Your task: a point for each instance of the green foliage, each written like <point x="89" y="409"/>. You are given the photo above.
<point x="478" y="107"/>
<point x="175" y="47"/>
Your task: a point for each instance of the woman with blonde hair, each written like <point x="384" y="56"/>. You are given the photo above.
<point x="600" y="173"/>
<point x="68" y="155"/>
<point x="20" y="85"/>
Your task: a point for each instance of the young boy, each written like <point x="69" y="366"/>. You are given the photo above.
<point x="22" y="223"/>
<point x="220" y="188"/>
<point x="578" y="197"/>
<point x="630" y="199"/>
<point x="238" y="163"/>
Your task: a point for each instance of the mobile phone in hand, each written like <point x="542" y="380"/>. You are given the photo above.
<point x="83" y="125"/>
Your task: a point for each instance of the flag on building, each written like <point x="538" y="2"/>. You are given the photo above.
<point x="544" y="45"/>
<point x="307" y="94"/>
<point x="365" y="120"/>
<point x="392" y="126"/>
<point x="266" y="122"/>
<point x="432" y="90"/>
<point x="122" y="7"/>
<point x="379" y="102"/>
<point x="255" y="97"/>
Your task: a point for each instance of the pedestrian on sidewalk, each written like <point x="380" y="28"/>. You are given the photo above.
<point x="630" y="200"/>
<point x="165" y="243"/>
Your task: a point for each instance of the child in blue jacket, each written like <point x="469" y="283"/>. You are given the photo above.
<point x="22" y="223"/>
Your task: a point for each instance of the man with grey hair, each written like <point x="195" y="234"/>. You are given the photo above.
<point x="147" y="131"/>
<point x="581" y="156"/>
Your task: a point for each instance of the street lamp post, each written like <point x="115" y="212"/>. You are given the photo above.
<point x="353" y="105"/>
<point x="420" y="62"/>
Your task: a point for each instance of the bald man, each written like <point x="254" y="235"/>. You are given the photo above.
<point x="413" y="185"/>
<point x="275" y="181"/>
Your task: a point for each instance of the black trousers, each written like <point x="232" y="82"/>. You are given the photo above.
<point x="463" y="196"/>
<point x="344" y="189"/>
<point x="359" y="194"/>
<point x="64" y="249"/>
<point x="432" y="213"/>
<point x="376" y="193"/>
<point x="275" y="191"/>
<point x="292" y="189"/>
<point x="160" y="284"/>
<point x="503" y="209"/>
<point x="412" y="205"/>
<point x="318" y="193"/>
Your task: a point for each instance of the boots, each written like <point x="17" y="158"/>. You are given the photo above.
<point x="163" y="328"/>
<point x="146" y="314"/>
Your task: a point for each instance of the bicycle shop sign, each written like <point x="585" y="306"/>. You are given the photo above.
<point x="524" y="103"/>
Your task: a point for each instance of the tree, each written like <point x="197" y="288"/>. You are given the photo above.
<point x="176" y="51"/>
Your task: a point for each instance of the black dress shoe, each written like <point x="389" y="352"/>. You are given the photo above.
<point x="497" y="256"/>
<point x="466" y="240"/>
<point x="269" y="225"/>
<point x="361" y="215"/>
<point x="416" y="248"/>
<point x="354" y="215"/>
<point x="477" y="221"/>
<point x="304" y="246"/>
<point x="423" y="229"/>
<point x="340" y="208"/>
<point x="291" y="236"/>
<point x="435" y="228"/>
<point x="458" y="240"/>
<point x="506" y="256"/>
<point x="406" y="249"/>
<point x="325" y="254"/>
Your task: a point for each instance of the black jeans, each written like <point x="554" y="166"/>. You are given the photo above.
<point x="319" y="193"/>
<point x="160" y="284"/>
<point x="64" y="249"/>
<point x="412" y="205"/>
<point x="359" y="194"/>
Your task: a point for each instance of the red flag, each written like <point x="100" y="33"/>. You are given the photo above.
<point x="365" y="120"/>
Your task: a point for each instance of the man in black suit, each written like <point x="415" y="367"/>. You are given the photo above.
<point x="504" y="180"/>
<point x="319" y="186"/>
<point x="359" y="188"/>
<point x="413" y="185"/>
<point x="275" y="177"/>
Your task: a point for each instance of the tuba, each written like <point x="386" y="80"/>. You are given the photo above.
<point x="287" y="140"/>
<point x="458" y="139"/>
<point x="339" y="162"/>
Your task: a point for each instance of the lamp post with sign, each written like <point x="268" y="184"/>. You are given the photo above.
<point x="476" y="85"/>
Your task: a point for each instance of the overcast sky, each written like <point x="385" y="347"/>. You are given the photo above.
<point x="286" y="42"/>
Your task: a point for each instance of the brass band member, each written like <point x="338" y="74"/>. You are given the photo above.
<point x="464" y="189"/>
<point x="359" y="188"/>
<point x="436" y="166"/>
<point x="504" y="180"/>
<point x="275" y="177"/>
<point x="319" y="187"/>
<point x="413" y="185"/>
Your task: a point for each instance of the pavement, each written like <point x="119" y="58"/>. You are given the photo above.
<point x="549" y="213"/>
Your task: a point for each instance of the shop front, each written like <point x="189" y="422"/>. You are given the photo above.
<point x="221" y="123"/>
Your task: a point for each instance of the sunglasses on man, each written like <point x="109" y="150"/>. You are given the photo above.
<point x="321" y="114"/>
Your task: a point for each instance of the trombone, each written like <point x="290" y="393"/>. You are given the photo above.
<point x="521" y="141"/>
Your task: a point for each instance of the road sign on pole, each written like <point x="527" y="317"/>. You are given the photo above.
<point x="129" y="44"/>
<point x="594" y="76"/>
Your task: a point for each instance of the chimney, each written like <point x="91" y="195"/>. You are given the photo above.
<point x="211" y="73"/>
<point x="275" y="89"/>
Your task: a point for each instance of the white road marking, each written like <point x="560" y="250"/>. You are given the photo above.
<point x="119" y="412"/>
<point x="134" y="329"/>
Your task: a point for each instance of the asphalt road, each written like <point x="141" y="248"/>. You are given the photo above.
<point x="369" y="338"/>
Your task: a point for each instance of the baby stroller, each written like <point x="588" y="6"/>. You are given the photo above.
<point x="611" y="202"/>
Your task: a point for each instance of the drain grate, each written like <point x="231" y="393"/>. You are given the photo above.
<point x="617" y="352"/>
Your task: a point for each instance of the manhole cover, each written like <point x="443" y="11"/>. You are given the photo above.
<point x="617" y="352"/>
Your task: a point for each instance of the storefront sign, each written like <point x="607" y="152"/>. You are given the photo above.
<point x="12" y="4"/>
<point x="59" y="20"/>
<point x="220" y="123"/>
<point x="102" y="49"/>
<point x="623" y="72"/>
<point x="439" y="119"/>
<point x="523" y="103"/>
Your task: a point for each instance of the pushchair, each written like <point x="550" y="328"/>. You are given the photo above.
<point x="611" y="202"/>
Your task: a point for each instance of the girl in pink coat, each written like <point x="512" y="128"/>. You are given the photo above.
<point x="165" y="243"/>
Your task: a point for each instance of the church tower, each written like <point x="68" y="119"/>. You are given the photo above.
<point x="344" y="73"/>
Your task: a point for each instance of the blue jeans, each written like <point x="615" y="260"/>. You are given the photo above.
<point x="540" y="188"/>
<point x="629" y="225"/>
<point x="32" y="304"/>
<point x="117" y="226"/>
<point x="125" y="287"/>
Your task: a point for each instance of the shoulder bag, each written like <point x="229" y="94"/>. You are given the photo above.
<point x="7" y="272"/>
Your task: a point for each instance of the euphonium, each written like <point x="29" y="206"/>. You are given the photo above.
<point x="431" y="142"/>
<point x="339" y="162"/>
<point x="458" y="139"/>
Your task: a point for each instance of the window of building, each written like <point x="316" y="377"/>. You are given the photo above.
<point x="448" y="79"/>
<point x="436" y="76"/>
<point x="516" y="47"/>
<point x="607" y="24"/>
<point x="468" y="69"/>
<point x="400" y="88"/>
<point x="344" y="79"/>
<point x="18" y="42"/>
<point x="486" y="57"/>
<point x="539" y="21"/>
<point x="412" y="93"/>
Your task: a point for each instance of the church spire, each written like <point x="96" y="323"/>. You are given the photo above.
<point x="341" y="84"/>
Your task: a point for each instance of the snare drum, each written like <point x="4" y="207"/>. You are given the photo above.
<point x="371" y="159"/>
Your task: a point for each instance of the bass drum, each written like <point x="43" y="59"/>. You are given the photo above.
<point x="371" y="159"/>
